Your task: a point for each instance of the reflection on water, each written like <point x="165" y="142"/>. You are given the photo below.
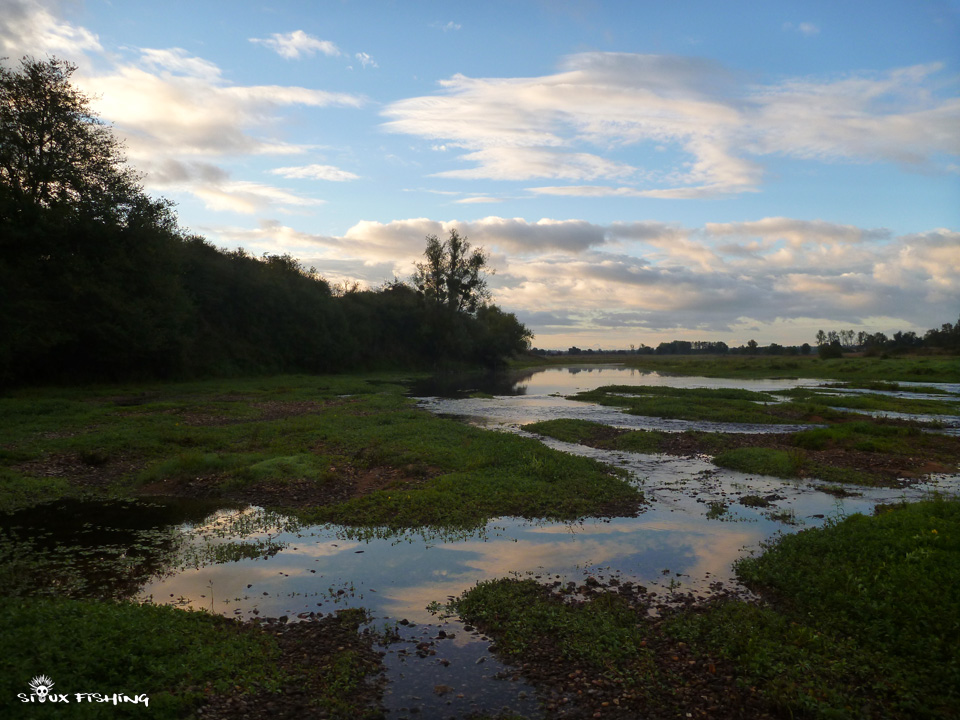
<point x="246" y="564"/>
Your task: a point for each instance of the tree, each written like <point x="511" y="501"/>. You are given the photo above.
<point x="55" y="153"/>
<point x="453" y="276"/>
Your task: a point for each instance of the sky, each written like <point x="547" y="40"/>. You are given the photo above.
<point x="638" y="171"/>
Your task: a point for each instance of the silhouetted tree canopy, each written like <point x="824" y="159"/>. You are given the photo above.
<point x="97" y="281"/>
<point x="452" y="275"/>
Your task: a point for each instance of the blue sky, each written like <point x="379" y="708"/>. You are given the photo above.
<point x="638" y="171"/>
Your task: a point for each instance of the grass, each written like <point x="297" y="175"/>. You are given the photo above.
<point x="716" y="405"/>
<point x="864" y="622"/>
<point x="902" y="368"/>
<point x="526" y="619"/>
<point x="847" y="451"/>
<point x="877" y="403"/>
<point x="586" y="432"/>
<point x="320" y="432"/>
<point x="174" y="657"/>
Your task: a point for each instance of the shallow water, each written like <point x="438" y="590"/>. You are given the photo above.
<point x="686" y="538"/>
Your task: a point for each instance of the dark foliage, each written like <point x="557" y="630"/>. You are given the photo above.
<point x="97" y="281"/>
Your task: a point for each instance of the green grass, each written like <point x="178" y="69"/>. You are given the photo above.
<point x="713" y="405"/>
<point x="903" y="368"/>
<point x="586" y="432"/>
<point x="866" y="619"/>
<point x="527" y="618"/>
<point x="876" y="403"/>
<point x="234" y="434"/>
<point x="173" y="656"/>
<point x="790" y="464"/>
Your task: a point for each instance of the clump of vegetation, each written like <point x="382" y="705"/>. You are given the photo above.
<point x="174" y="657"/>
<point x="754" y="501"/>
<point x="302" y="441"/>
<point x="717" y="510"/>
<point x="526" y="619"/>
<point x="598" y="435"/>
<point x="864" y="621"/>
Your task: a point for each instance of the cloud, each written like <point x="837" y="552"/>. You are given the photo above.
<point x="248" y="197"/>
<point x="504" y="163"/>
<point x="365" y="60"/>
<point x="315" y="172"/>
<point x="804" y="28"/>
<point x="796" y="232"/>
<point x="476" y="200"/>
<point x="297" y="44"/>
<point x="27" y="27"/>
<point x="581" y="123"/>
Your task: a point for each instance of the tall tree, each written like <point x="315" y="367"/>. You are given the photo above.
<point x="453" y="274"/>
<point x="55" y="153"/>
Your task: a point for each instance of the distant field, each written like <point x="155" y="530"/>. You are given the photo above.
<point x="903" y="368"/>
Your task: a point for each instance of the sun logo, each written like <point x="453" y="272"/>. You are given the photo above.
<point x="41" y="685"/>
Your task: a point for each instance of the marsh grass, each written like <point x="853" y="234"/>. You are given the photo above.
<point x="716" y="405"/>
<point x="876" y="402"/>
<point x="864" y="620"/>
<point x="173" y="656"/>
<point x="236" y="434"/>
<point x="905" y="368"/>
<point x="527" y="618"/>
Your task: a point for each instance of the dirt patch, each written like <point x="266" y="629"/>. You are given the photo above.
<point x="88" y="470"/>
<point x="314" y="652"/>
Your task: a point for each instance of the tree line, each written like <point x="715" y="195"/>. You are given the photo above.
<point x="98" y="281"/>
<point x="829" y="345"/>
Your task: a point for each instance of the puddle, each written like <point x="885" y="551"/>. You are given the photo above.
<point x="244" y="563"/>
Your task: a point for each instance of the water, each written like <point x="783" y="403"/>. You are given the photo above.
<point x="269" y="568"/>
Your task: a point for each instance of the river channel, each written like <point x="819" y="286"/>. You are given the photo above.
<point x="679" y="541"/>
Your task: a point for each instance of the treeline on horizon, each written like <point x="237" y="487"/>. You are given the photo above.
<point x="829" y="344"/>
<point x="98" y="281"/>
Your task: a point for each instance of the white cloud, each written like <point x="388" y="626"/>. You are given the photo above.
<point x="365" y="60"/>
<point x="297" y="44"/>
<point x="804" y="28"/>
<point x="315" y="172"/>
<point x="476" y="200"/>
<point x="27" y="27"/>
<point x="576" y="124"/>
<point x="248" y="197"/>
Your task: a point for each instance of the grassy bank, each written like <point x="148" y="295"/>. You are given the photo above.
<point x="180" y="660"/>
<point x="903" y="368"/>
<point x="346" y="449"/>
<point x="864" y="452"/>
<point x="862" y="622"/>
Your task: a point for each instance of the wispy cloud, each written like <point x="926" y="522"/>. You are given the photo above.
<point x="365" y="60"/>
<point x="297" y="44"/>
<point x="315" y="172"/>
<point x="804" y="28"/>
<point x="28" y="27"/>
<point x="575" y="125"/>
